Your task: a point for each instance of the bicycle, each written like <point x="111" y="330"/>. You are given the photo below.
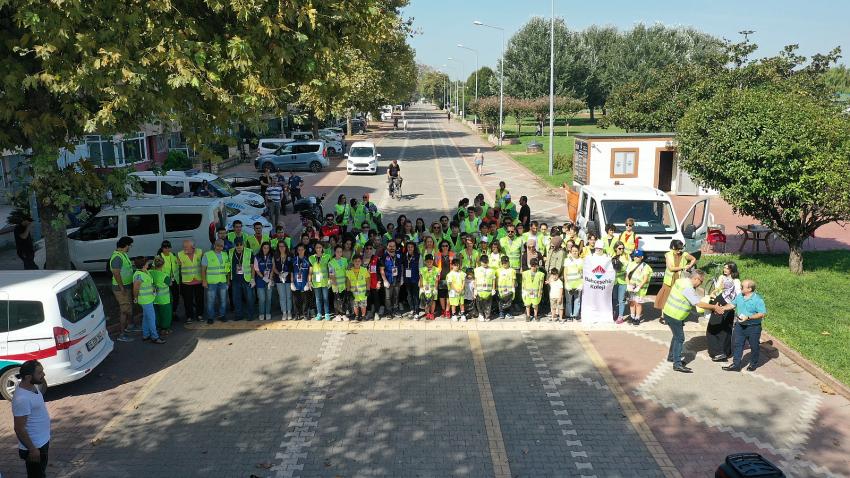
<point x="395" y="187"/>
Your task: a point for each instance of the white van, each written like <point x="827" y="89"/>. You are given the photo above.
<point x="149" y="222"/>
<point x="174" y="183"/>
<point x="55" y="317"/>
<point x="655" y="218"/>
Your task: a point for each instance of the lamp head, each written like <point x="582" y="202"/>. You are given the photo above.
<point x="476" y="22"/>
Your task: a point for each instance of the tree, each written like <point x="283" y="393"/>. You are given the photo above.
<point x="568" y="107"/>
<point x="526" y="61"/>
<point x="838" y="79"/>
<point x="206" y="66"/>
<point x="485" y="83"/>
<point x="519" y="108"/>
<point x="596" y="53"/>
<point x="488" y="110"/>
<point x="433" y="86"/>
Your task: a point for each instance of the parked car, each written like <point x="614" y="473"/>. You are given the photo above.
<point x="270" y="145"/>
<point x="298" y="155"/>
<point x="357" y="126"/>
<point x="334" y="146"/>
<point x="149" y="221"/>
<point x="362" y="158"/>
<point x="55" y="317"/>
<point x="250" y="184"/>
<point x="174" y="183"/>
<point x="333" y="133"/>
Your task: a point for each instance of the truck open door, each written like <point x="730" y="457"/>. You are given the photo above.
<point x="694" y="226"/>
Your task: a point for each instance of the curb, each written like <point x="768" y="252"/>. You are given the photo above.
<point x="807" y="365"/>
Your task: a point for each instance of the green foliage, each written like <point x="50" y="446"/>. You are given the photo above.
<point x="177" y="161"/>
<point x="837" y="79"/>
<point x="488" y="110"/>
<point x="486" y="80"/>
<point x="563" y="162"/>
<point x="433" y="85"/>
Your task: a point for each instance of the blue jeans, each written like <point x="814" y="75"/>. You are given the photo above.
<point x="264" y="294"/>
<point x="677" y="343"/>
<point x="243" y="294"/>
<point x="573" y="309"/>
<point x="149" y="321"/>
<point x="322" y="305"/>
<point x="740" y="333"/>
<point x="619" y="299"/>
<point x="220" y="291"/>
<point x="284" y="294"/>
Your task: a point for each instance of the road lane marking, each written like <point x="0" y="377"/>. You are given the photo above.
<point x="440" y="180"/>
<point x="498" y="453"/>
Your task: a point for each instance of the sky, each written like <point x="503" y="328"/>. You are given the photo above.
<point x="816" y="25"/>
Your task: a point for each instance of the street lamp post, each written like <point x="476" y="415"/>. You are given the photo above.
<point x="552" y="92"/>
<point x="501" y="76"/>
<point x="476" y="72"/>
<point x="463" y="100"/>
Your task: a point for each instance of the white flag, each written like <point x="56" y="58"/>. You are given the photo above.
<point x="599" y="276"/>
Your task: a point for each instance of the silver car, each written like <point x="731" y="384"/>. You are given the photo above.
<point x="296" y="156"/>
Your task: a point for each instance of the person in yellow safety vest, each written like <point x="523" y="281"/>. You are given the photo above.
<point x="237" y="232"/>
<point x="242" y="287"/>
<point x="171" y="268"/>
<point x="162" y="295"/>
<point x="500" y="194"/>
<point x="682" y="299"/>
<point x="469" y="255"/>
<point x="494" y="257"/>
<point x="638" y="274"/>
<point x="629" y="238"/>
<point x="337" y="268"/>
<point x="610" y="239"/>
<point x="144" y="294"/>
<point x="532" y="290"/>
<point x="675" y="260"/>
<point x="215" y="277"/>
<point x="509" y="208"/>
<point x="455" y="281"/>
<point x="191" y="289"/>
<point x="588" y="249"/>
<point x="254" y="242"/>
<point x="512" y="245"/>
<point x="342" y="213"/>
<point x="573" y="281"/>
<point x="485" y="288"/>
<point x="454" y="238"/>
<point x="620" y="260"/>
<point x="122" y="280"/>
<point x="357" y="282"/>
<point x="471" y="222"/>
<point x="505" y="286"/>
<point x="319" y="281"/>
<point x="429" y="278"/>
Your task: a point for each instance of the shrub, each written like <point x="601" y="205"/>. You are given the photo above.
<point x="563" y="162"/>
<point x="177" y="160"/>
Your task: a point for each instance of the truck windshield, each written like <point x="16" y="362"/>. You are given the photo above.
<point x="223" y="189"/>
<point x="651" y="217"/>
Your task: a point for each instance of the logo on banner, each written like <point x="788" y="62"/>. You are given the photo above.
<point x="599" y="271"/>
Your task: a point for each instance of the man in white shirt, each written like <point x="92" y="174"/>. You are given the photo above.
<point x="32" y="422"/>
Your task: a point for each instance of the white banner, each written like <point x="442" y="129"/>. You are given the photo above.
<point x="599" y="275"/>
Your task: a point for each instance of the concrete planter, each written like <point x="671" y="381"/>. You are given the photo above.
<point x="534" y="148"/>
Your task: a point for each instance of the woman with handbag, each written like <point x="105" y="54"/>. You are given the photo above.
<point x="718" y="332"/>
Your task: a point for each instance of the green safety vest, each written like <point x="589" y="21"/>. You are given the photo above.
<point x="638" y="276"/>
<point x="343" y="214"/>
<point x="319" y="278"/>
<point x="231" y="236"/>
<point x="276" y="241"/>
<point x="532" y="285"/>
<point x="573" y="269"/>
<point x="630" y="243"/>
<point x="217" y="270"/>
<point x="412" y="238"/>
<point x="470" y="227"/>
<point x="621" y="274"/>
<point x="126" y="268"/>
<point x="247" y="264"/>
<point x="485" y="281"/>
<point x="254" y="245"/>
<point x="668" y="274"/>
<point x="360" y="215"/>
<point x="500" y="195"/>
<point x="466" y="262"/>
<point x="171" y="268"/>
<point x="494" y="260"/>
<point x="510" y="210"/>
<point x="339" y="268"/>
<point x="506" y="280"/>
<point x="429" y="281"/>
<point x="146" y="290"/>
<point x="513" y="249"/>
<point x="678" y="306"/>
<point x="608" y="244"/>
<point x="190" y="269"/>
<point x="163" y="293"/>
<point x="359" y="280"/>
<point x="454" y="244"/>
<point x="387" y="237"/>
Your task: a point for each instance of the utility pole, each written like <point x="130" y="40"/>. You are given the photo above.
<point x="552" y="92"/>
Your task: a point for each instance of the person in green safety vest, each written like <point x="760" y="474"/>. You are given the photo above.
<point x="162" y="296"/>
<point x="215" y="278"/>
<point x="144" y="294"/>
<point x="573" y="281"/>
<point x="171" y="268"/>
<point x="429" y="277"/>
<point x="682" y="299"/>
<point x="357" y="282"/>
<point x="485" y="288"/>
<point x="237" y="232"/>
<point x="342" y="213"/>
<point x="255" y="241"/>
<point x="122" y="280"/>
<point x="337" y="269"/>
<point x="500" y="194"/>
<point x="610" y="239"/>
<point x="638" y="274"/>
<point x="532" y="290"/>
<point x="505" y="285"/>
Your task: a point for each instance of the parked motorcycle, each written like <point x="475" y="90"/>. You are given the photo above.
<point x="310" y="210"/>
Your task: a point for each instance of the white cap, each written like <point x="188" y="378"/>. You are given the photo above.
<point x="598" y="244"/>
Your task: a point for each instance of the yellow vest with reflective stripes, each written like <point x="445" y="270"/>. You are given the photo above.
<point x="339" y="266"/>
<point x="621" y="274"/>
<point x="231" y="236"/>
<point x="146" y="290"/>
<point x="247" y="264"/>
<point x="506" y="280"/>
<point x="485" y="280"/>
<point x="126" y="268"/>
<point x="668" y="274"/>
<point x="513" y="249"/>
<point x="639" y="272"/>
<point x="161" y="290"/>
<point x="190" y="269"/>
<point x="217" y="270"/>
<point x="678" y="306"/>
<point x="171" y="268"/>
<point x="254" y="245"/>
<point x="630" y="243"/>
<point x="494" y="260"/>
<point x="467" y="261"/>
<point x="359" y="280"/>
<point x="573" y="269"/>
<point x="532" y="284"/>
<point x="429" y="281"/>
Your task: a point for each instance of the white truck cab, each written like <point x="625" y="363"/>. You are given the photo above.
<point x="655" y="219"/>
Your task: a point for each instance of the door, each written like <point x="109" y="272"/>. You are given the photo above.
<point x="685" y="185"/>
<point x="82" y="316"/>
<point x="180" y="224"/>
<point x="92" y="244"/>
<point x="4" y="327"/>
<point x="144" y="228"/>
<point x="581" y="220"/>
<point x="694" y="226"/>
<point x="285" y="158"/>
<point x="665" y="170"/>
<point x="305" y="154"/>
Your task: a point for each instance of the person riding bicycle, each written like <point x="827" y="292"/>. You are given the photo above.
<point x="393" y="175"/>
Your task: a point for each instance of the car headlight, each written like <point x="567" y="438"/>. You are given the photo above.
<point x="256" y="204"/>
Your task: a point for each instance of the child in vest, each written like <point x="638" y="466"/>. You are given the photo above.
<point x="485" y="288"/>
<point x="162" y="296"/>
<point x="357" y="281"/>
<point x="337" y="268"/>
<point x="556" y="295"/>
<point x="505" y="283"/>
<point x="469" y="292"/>
<point x="144" y="295"/>
<point x="428" y="279"/>
<point x="532" y="291"/>
<point x="638" y="274"/>
<point x="455" y="282"/>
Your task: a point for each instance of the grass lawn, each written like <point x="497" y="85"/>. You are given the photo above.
<point x="803" y="311"/>
<point x="539" y="163"/>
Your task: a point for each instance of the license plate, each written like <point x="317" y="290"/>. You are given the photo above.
<point x="658" y="275"/>
<point x="92" y="343"/>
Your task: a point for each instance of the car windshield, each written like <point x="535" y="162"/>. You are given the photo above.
<point x="651" y="217"/>
<point x="231" y="211"/>
<point x="361" y="152"/>
<point x="79" y="300"/>
<point x="222" y="188"/>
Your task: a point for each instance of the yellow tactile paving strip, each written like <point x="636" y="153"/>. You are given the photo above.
<point x="498" y="453"/>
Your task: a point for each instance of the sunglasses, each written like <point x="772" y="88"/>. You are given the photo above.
<point x="620" y="248"/>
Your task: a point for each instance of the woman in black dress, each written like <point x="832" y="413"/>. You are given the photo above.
<point x="719" y="330"/>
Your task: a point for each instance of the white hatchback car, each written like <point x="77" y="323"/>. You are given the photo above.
<point x="362" y="157"/>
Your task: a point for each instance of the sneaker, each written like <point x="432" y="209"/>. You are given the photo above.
<point x="508" y="316"/>
<point x="188" y="320"/>
<point x="134" y="328"/>
<point x="124" y="338"/>
<point x="158" y="340"/>
<point x="480" y="318"/>
<point x="381" y="310"/>
<point x="209" y="321"/>
<point x="463" y="318"/>
<point x="454" y="318"/>
<point x="389" y="316"/>
<point x="620" y="320"/>
<point x="328" y="317"/>
<point x="317" y="317"/>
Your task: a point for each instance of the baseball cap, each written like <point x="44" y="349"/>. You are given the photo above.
<point x="598" y="244"/>
<point x="507" y="196"/>
<point x="638" y="253"/>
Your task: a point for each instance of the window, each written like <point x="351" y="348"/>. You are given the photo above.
<point x="624" y="163"/>
<point x="361" y="152"/>
<point x="305" y="148"/>
<point x="142" y="224"/>
<point x="79" y="300"/>
<point x="97" y="228"/>
<point x="194" y="186"/>
<point x="148" y="187"/>
<point x="182" y="222"/>
<point x="161" y="143"/>
<point x="651" y="217"/>
<point x="171" y="188"/>
<point x="19" y="314"/>
<point x="271" y="144"/>
<point x="223" y="189"/>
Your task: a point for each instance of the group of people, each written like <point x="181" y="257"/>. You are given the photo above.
<point x="279" y="190"/>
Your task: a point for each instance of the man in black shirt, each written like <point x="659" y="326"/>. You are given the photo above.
<point x="24" y="243"/>
<point x="392" y="173"/>
<point x="524" y="213"/>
